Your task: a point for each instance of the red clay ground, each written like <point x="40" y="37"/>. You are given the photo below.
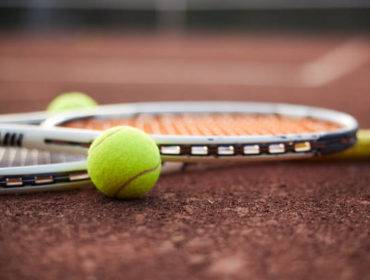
<point x="282" y="220"/>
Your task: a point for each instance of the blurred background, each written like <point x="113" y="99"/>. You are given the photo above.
<point x="186" y="15"/>
<point x="295" y="51"/>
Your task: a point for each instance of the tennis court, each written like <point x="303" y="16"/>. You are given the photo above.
<point x="272" y="220"/>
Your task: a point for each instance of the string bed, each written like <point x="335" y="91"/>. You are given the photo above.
<point x="210" y="124"/>
<point x="12" y="157"/>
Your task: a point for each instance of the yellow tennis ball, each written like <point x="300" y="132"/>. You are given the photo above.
<point x="71" y="101"/>
<point x="124" y="162"/>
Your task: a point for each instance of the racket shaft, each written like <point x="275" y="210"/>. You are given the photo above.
<point x="53" y="139"/>
<point x="360" y="151"/>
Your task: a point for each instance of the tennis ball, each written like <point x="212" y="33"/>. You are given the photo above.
<point x="70" y="101"/>
<point x="124" y="162"/>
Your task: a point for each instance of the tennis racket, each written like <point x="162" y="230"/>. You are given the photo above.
<point x="183" y="131"/>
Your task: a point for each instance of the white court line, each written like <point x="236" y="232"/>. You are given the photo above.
<point x="331" y="66"/>
<point x="343" y="60"/>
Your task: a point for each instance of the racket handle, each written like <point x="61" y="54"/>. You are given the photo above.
<point x="361" y="151"/>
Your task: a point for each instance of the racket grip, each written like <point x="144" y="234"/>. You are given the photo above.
<point x="360" y="151"/>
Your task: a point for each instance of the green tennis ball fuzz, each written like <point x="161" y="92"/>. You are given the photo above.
<point x="124" y="162"/>
<point x="71" y="101"/>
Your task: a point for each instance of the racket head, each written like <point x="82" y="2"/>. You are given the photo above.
<point x="329" y="131"/>
<point x="49" y="173"/>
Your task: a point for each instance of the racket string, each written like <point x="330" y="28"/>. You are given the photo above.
<point x="12" y="157"/>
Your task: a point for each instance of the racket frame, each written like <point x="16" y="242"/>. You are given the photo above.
<point x="212" y="148"/>
<point x="49" y="136"/>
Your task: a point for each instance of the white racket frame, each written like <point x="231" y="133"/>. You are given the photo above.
<point x="14" y="131"/>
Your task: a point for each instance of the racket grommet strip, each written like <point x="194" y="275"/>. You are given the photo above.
<point x="170" y="150"/>
<point x="23" y="181"/>
<point x="78" y="176"/>
<point x="302" y="147"/>
<point x="14" y="181"/>
<point x="276" y="148"/>
<point x="43" y="179"/>
<point x="225" y="150"/>
<point x="251" y="150"/>
<point x="199" y="150"/>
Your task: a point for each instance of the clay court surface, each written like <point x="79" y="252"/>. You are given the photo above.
<point x="276" y="220"/>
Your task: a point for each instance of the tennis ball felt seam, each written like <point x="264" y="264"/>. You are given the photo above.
<point x="135" y="177"/>
<point x="93" y="147"/>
